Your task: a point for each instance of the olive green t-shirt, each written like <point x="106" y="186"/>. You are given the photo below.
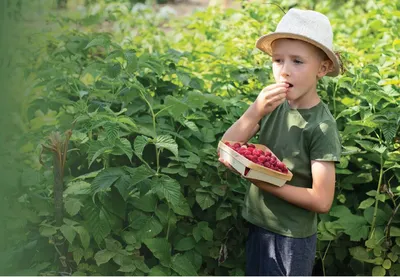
<point x="296" y="136"/>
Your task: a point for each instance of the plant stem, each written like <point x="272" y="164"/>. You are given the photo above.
<point x="376" y="199"/>
<point x="169" y="210"/>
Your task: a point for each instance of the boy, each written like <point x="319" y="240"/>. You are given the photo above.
<point x="301" y="131"/>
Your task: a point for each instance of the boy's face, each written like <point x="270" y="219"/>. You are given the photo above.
<point x="301" y="65"/>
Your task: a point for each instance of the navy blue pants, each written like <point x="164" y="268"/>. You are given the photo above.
<point x="270" y="254"/>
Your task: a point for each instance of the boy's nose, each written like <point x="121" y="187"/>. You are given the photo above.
<point x="285" y="71"/>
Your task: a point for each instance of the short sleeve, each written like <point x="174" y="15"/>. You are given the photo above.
<point x="325" y="142"/>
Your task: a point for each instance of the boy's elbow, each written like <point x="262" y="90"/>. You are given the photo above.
<point x="324" y="208"/>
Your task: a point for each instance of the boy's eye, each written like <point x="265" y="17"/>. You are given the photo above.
<point x="298" y="61"/>
<point x="277" y="60"/>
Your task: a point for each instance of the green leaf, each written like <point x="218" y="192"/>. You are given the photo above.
<point x="68" y="232"/>
<point x="112" y="132"/>
<point x="96" y="149"/>
<point x="167" y="142"/>
<point x="394" y="231"/>
<point x="159" y="270"/>
<point x="77" y="188"/>
<point x="99" y="41"/>
<point x="139" y="174"/>
<point x="359" y="253"/>
<point x="146" y="203"/>
<point x="77" y="255"/>
<point x="151" y="228"/>
<point x="181" y="265"/>
<point x="72" y="206"/>
<point x="358" y="178"/>
<point x="161" y="249"/>
<point x="103" y="256"/>
<point x="366" y="203"/>
<point x="84" y="235"/>
<point x="387" y="264"/>
<point x="129" y="237"/>
<point x="167" y="188"/>
<point x="113" y="245"/>
<point x="378" y="271"/>
<point x="47" y="230"/>
<point x="204" y="199"/>
<point x="202" y="231"/>
<point x="182" y="207"/>
<point x="106" y="178"/>
<point x="96" y="222"/>
<point x="125" y="146"/>
<point x="355" y="226"/>
<point x="185" y="244"/>
<point x="140" y="143"/>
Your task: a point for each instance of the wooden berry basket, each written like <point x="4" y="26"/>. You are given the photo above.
<point x="255" y="171"/>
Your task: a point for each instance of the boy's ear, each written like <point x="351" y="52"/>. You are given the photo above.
<point x="325" y="67"/>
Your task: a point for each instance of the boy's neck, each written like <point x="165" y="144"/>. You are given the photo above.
<point x="307" y="101"/>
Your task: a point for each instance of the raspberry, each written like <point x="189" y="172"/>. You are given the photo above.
<point x="262" y="159"/>
<point x="252" y="146"/>
<point x="267" y="164"/>
<point x="236" y="145"/>
<point x="268" y="154"/>
<point x="273" y="160"/>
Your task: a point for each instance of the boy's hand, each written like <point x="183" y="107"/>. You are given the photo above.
<point x="270" y="98"/>
<point x="228" y="166"/>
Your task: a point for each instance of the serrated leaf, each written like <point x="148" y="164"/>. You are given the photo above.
<point x="161" y="249"/>
<point x="112" y="132"/>
<point x="140" y="143"/>
<point x="181" y="265"/>
<point x="96" y="149"/>
<point x="125" y="146"/>
<point x="106" y="178"/>
<point x="77" y="188"/>
<point x="205" y="200"/>
<point x="167" y="188"/>
<point x="113" y="245"/>
<point x="389" y="132"/>
<point x="366" y="203"/>
<point x="182" y="208"/>
<point x="72" y="206"/>
<point x="83" y="235"/>
<point x="77" y="255"/>
<point x="138" y="174"/>
<point x="68" y="232"/>
<point x="103" y="256"/>
<point x="99" y="41"/>
<point x="167" y="142"/>
<point x="98" y="226"/>
<point x="146" y="203"/>
<point x="354" y="226"/>
<point x="151" y="228"/>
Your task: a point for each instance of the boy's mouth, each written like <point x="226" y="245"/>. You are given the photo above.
<point x="290" y="85"/>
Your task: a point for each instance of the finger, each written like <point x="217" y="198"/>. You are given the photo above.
<point x="275" y="91"/>
<point x="228" y="165"/>
<point x="277" y="99"/>
<point x="276" y="85"/>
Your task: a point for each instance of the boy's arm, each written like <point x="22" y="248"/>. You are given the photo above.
<point x="244" y="128"/>
<point x="247" y="125"/>
<point x="318" y="198"/>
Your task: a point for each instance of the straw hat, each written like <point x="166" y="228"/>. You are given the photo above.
<point x="310" y="26"/>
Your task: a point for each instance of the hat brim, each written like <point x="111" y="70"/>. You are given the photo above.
<point x="264" y="44"/>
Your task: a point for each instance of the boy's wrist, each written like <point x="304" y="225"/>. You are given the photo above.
<point x="253" y="113"/>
